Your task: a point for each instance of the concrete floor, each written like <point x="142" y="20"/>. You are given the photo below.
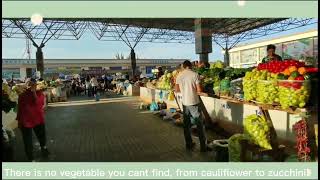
<point x="111" y="130"/>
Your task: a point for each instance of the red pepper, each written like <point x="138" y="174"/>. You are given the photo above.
<point x="312" y="70"/>
<point x="299" y="78"/>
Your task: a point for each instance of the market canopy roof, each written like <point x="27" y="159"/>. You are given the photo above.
<point x="229" y="26"/>
<point x="134" y="30"/>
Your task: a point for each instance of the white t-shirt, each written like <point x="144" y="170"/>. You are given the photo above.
<point x="87" y="84"/>
<point x="188" y="81"/>
<point x="94" y="82"/>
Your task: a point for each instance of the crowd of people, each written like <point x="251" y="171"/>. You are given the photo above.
<point x="91" y="85"/>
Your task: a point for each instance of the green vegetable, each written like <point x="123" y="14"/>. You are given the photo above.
<point x="217" y="64"/>
<point x="295" y="74"/>
<point x="234" y="147"/>
<point x="281" y="76"/>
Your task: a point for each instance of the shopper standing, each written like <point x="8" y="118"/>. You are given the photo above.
<point x="188" y="83"/>
<point x="88" y="86"/>
<point x="30" y="118"/>
<point x="94" y="84"/>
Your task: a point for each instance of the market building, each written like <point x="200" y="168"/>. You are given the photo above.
<point x="301" y="46"/>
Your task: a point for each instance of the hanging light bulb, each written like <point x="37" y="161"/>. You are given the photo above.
<point x="36" y="19"/>
<point x="241" y="3"/>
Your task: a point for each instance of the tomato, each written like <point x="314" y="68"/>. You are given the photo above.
<point x="286" y="64"/>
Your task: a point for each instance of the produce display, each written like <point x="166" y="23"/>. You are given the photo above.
<point x="167" y="81"/>
<point x="218" y="78"/>
<point x="9" y="98"/>
<point x="236" y="89"/>
<point x="19" y="88"/>
<point x="303" y="149"/>
<point x="151" y="84"/>
<point x="294" y="93"/>
<point x="267" y="92"/>
<point x="257" y="130"/>
<point x="41" y="85"/>
<point x="225" y="87"/>
<point x="284" y="82"/>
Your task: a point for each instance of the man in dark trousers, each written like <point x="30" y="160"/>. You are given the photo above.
<point x="188" y="83"/>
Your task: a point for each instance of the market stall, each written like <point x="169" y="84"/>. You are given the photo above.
<point x="276" y="94"/>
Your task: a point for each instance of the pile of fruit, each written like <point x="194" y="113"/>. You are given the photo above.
<point x="9" y="98"/>
<point x="250" y="83"/>
<point x="217" y="64"/>
<point x="257" y="131"/>
<point x="41" y="85"/>
<point x="285" y="82"/>
<point x="294" y="94"/>
<point x="167" y="80"/>
<point x="267" y="91"/>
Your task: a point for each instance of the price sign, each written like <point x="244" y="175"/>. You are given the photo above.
<point x="258" y="112"/>
<point x="226" y="106"/>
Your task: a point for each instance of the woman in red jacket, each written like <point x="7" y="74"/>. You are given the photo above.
<point x="30" y="117"/>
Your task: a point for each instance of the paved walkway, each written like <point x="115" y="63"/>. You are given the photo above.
<point x="112" y="129"/>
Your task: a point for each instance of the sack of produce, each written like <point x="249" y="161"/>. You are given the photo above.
<point x="257" y="130"/>
<point x="171" y="96"/>
<point x="235" y="147"/>
<point x="236" y="87"/>
<point x="221" y="150"/>
<point x="225" y="87"/>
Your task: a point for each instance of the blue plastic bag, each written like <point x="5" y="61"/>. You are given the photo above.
<point x="97" y="96"/>
<point x="154" y="106"/>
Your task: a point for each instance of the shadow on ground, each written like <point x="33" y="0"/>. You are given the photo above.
<point x="110" y="130"/>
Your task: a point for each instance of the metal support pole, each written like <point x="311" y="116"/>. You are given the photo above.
<point x="226" y="57"/>
<point x="204" y="57"/>
<point x="39" y="61"/>
<point x="133" y="62"/>
<point x="203" y="39"/>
